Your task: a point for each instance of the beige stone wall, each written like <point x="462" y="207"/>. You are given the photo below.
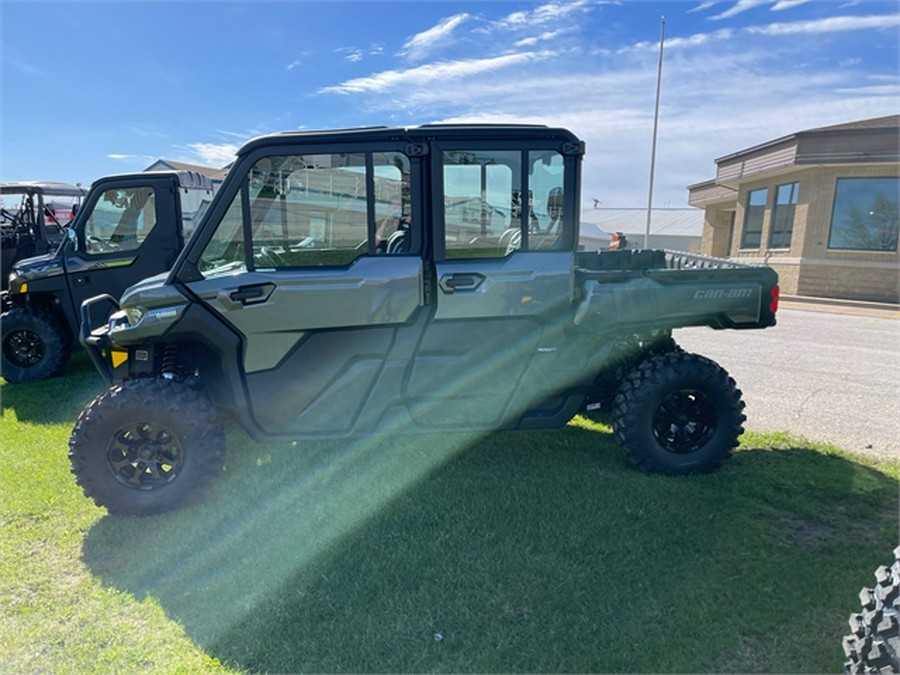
<point x="717" y="232"/>
<point x="788" y="276"/>
<point x="850" y="279"/>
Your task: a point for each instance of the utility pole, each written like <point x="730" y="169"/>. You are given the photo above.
<point x="662" y="37"/>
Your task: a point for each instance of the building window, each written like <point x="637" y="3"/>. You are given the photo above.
<point x="753" y="218"/>
<point x="783" y="216"/>
<point x="865" y="214"/>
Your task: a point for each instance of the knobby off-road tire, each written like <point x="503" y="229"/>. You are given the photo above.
<point x="34" y="345"/>
<point x="146" y="446"/>
<point x="677" y="413"/>
<point x="873" y="645"/>
<point x="624" y="360"/>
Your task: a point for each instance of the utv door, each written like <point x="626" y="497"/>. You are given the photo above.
<point x="504" y="280"/>
<point x="299" y="265"/>
<point x="130" y="229"/>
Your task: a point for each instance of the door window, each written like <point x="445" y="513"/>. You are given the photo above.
<point x="314" y="211"/>
<point x="121" y="220"/>
<point x="485" y="214"/>
<point x="481" y="190"/>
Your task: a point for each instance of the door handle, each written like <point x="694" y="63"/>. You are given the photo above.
<point x="252" y="295"/>
<point x="461" y="281"/>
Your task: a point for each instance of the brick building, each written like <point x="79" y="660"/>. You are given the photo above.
<point x="820" y="206"/>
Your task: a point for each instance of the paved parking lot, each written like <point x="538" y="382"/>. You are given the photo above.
<point x="824" y="373"/>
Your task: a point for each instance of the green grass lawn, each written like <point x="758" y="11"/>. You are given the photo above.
<point x="520" y="551"/>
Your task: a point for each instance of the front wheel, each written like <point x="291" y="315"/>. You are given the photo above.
<point x="35" y="345"/>
<point x="677" y="413"/>
<point x="146" y="446"/>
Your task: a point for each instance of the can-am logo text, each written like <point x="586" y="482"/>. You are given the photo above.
<point x="721" y="294"/>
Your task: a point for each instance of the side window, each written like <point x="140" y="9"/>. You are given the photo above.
<point x="545" y="192"/>
<point x="309" y="210"/>
<point x="121" y="220"/>
<point x="224" y="254"/>
<point x="393" y="209"/>
<point x="485" y="214"/>
<point x="482" y="189"/>
<point x="315" y="211"/>
<point x="194" y="203"/>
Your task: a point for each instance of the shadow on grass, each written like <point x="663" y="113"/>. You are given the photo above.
<point x="56" y="400"/>
<point x="537" y="551"/>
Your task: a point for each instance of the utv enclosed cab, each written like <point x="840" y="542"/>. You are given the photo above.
<point x="480" y="312"/>
<point x="33" y="219"/>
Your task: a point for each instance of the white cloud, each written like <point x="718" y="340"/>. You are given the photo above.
<point x="235" y="134"/>
<point x="696" y="40"/>
<point x="834" y="24"/>
<point x="432" y="72"/>
<point x="740" y="7"/>
<point x="28" y="69"/>
<point x="214" y="154"/>
<point x="295" y="64"/>
<point x="420" y="45"/>
<point x="704" y="6"/>
<point x="543" y="37"/>
<point x="351" y="54"/>
<point x="119" y="157"/>
<point x="788" y="4"/>
<point x="544" y="14"/>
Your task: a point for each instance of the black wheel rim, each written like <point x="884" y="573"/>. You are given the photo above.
<point x="24" y="348"/>
<point x="144" y="456"/>
<point x="685" y="421"/>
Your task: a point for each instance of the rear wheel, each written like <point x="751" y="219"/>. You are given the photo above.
<point x="874" y="643"/>
<point x="146" y="446"/>
<point x="677" y="413"/>
<point x="35" y="346"/>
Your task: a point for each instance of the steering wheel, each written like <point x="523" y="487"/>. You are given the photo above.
<point x="97" y="245"/>
<point x="269" y="255"/>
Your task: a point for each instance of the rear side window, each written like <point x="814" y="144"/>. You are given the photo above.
<point x="497" y="202"/>
<point x="317" y="210"/>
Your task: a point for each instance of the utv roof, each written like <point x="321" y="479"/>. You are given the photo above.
<point x="41" y="187"/>
<point x="414" y="134"/>
<point x="189" y="180"/>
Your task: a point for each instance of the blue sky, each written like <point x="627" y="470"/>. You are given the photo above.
<point x="93" y="88"/>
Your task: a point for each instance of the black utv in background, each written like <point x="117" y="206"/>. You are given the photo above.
<point x="33" y="219"/>
<point x="130" y="226"/>
<point x="381" y="281"/>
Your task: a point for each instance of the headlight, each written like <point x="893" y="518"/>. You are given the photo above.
<point x="134" y="315"/>
<point x="16" y="285"/>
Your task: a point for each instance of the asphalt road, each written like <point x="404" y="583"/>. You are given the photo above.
<point x="827" y="375"/>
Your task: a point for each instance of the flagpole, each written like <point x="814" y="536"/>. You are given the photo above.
<point x="662" y="37"/>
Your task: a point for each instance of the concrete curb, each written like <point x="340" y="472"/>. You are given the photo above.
<point x="839" y="305"/>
